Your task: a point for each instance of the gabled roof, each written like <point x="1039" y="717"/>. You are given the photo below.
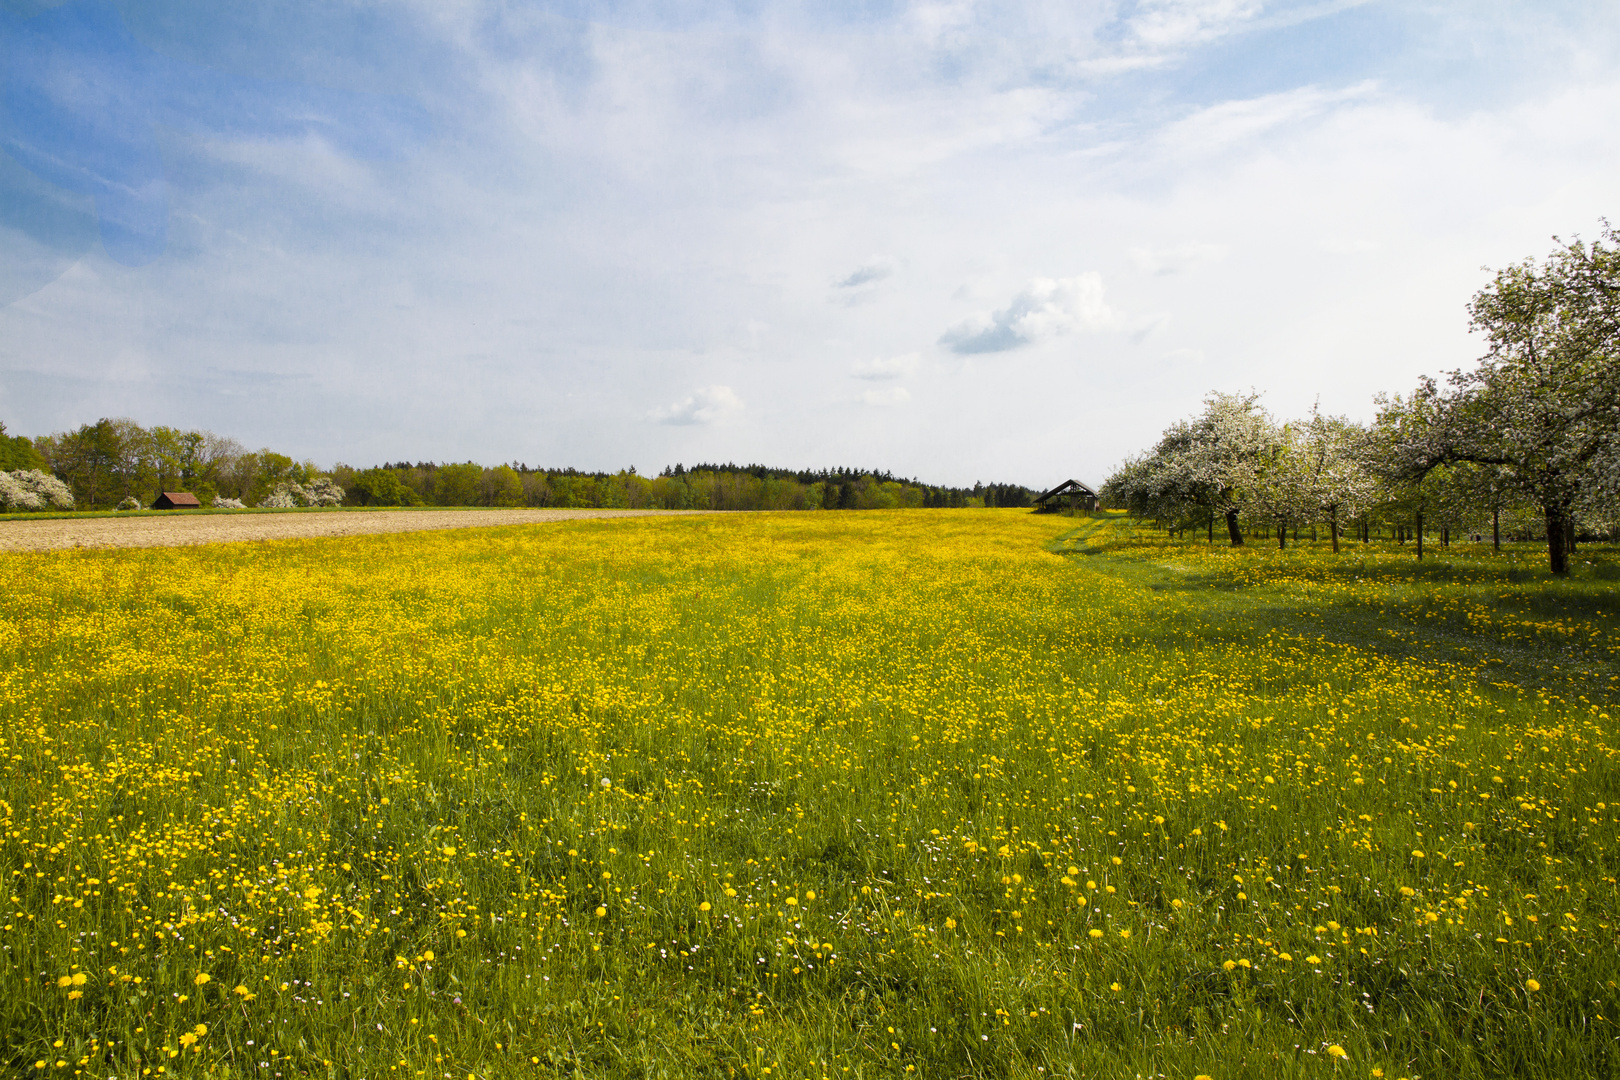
<point x="178" y="499"/>
<point x="1068" y="487"/>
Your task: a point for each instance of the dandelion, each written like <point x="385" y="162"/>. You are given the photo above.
<point x="1313" y="959"/>
<point x="703" y="906"/>
<point x="1531" y="985"/>
<point x="202" y="978"/>
<point x="950" y="923"/>
<point x="1337" y="1051"/>
<point x="1095" y="932"/>
<point x="601" y="912"/>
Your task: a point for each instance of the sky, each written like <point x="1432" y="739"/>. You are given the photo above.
<point x="962" y="240"/>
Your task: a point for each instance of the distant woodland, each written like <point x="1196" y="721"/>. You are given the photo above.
<point x="117" y="461"/>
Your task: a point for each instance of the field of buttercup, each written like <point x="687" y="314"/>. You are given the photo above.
<point x="915" y="793"/>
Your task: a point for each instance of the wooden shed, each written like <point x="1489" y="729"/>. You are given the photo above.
<point x="1071" y="495"/>
<point x="177" y="500"/>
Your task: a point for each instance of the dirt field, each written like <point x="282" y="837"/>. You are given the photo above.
<point x="229" y="528"/>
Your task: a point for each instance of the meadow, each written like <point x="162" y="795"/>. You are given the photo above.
<point x="914" y="793"/>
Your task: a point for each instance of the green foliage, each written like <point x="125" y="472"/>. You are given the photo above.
<point x="380" y="487"/>
<point x="458" y="485"/>
<point x="17" y="452"/>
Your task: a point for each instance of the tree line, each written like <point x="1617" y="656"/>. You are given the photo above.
<point x="117" y="462"/>
<point x="1528" y="440"/>
<point x="700" y="487"/>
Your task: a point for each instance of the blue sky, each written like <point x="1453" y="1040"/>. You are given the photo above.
<point x="963" y="240"/>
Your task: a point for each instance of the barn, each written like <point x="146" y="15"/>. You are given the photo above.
<point x="177" y="500"/>
<point x="1070" y="495"/>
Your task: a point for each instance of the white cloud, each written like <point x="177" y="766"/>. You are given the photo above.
<point x="703" y="406"/>
<point x="1178" y="24"/>
<point x="891" y="367"/>
<point x="893" y="395"/>
<point x="1045" y="308"/>
<point x="1162" y="261"/>
<point x="1221" y="127"/>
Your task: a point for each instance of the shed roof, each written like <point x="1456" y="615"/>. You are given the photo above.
<point x="1068" y="487"/>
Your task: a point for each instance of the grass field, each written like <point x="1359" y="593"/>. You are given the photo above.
<point x="926" y="793"/>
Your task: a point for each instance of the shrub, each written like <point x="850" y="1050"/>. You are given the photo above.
<point x="30" y="489"/>
<point x="222" y="503"/>
<point x="129" y="502"/>
<point x="321" y="491"/>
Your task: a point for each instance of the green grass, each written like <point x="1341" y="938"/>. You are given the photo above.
<point x="924" y="719"/>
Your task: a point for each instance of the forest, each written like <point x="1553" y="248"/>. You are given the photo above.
<point x="117" y="462"/>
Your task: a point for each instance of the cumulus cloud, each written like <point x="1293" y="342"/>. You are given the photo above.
<point x="891" y="367"/>
<point x="1045" y="308"/>
<point x="703" y="406"/>
<point x="893" y="395"/>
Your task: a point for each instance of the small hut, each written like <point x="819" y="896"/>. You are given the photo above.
<point x="177" y="500"/>
<point x="1071" y="495"/>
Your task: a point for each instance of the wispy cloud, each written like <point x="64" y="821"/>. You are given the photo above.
<point x="1162" y="261"/>
<point x="1229" y="124"/>
<point x="877" y="268"/>
<point x="1044" y="308"/>
<point x="703" y="406"/>
<point x="889" y="396"/>
<point x="1179" y="24"/>
<point x="889" y="367"/>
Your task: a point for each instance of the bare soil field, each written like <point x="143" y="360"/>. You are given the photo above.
<point x="106" y="532"/>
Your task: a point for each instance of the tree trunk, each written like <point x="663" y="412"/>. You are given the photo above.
<point x="1333" y="531"/>
<point x="1496" y="529"/>
<point x="1419" y="533"/>
<point x="1212" y="528"/>
<point x="1232" y="528"/>
<point x="1570" y="546"/>
<point x="1445" y="538"/>
<point x="1282" y="536"/>
<point x="1557" y="534"/>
